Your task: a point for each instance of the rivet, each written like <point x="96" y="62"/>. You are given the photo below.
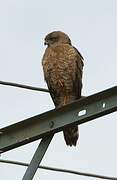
<point x="51" y="124"/>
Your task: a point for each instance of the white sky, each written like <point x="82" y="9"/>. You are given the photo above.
<point x="92" y="27"/>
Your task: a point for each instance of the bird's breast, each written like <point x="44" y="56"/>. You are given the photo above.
<point x="59" y="67"/>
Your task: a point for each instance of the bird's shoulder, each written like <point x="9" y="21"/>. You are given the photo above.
<point x="65" y="51"/>
<point x="61" y="49"/>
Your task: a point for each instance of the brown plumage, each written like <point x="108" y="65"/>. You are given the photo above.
<point x="62" y="66"/>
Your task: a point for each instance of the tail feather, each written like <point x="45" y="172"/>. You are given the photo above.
<point x="71" y="135"/>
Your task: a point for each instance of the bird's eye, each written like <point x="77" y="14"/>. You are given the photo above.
<point x="53" y="38"/>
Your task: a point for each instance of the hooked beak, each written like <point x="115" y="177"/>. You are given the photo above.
<point x="46" y="43"/>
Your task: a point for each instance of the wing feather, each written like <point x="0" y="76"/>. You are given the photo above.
<point x="63" y="66"/>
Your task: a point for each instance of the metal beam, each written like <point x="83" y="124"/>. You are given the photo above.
<point x="36" y="160"/>
<point x="53" y="121"/>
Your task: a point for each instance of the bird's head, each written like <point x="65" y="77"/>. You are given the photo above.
<point x="57" y="37"/>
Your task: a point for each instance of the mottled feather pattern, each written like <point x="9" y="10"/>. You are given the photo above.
<point x="71" y="135"/>
<point x="62" y="65"/>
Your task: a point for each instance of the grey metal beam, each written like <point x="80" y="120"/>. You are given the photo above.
<point x="53" y="121"/>
<point x="36" y="160"/>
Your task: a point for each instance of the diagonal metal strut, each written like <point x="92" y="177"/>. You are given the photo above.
<point x="36" y="160"/>
<point x="78" y="112"/>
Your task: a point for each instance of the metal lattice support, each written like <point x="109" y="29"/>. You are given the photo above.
<point x="78" y="112"/>
<point x="36" y="160"/>
<point x="42" y="126"/>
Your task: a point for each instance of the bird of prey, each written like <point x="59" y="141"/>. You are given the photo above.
<point x="63" y="65"/>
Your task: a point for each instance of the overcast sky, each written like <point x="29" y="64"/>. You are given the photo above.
<point x="92" y="27"/>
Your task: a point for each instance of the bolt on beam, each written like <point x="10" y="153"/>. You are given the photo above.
<point x="78" y="112"/>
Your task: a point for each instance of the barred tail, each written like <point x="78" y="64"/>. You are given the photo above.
<point x="71" y="135"/>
